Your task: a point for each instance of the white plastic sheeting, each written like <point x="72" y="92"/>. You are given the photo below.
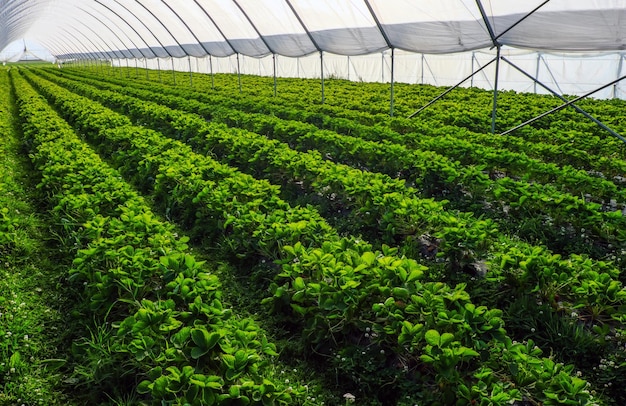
<point x="360" y="29"/>
<point x="166" y="28"/>
<point x="564" y="73"/>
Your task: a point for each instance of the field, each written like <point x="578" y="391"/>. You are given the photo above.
<point x="206" y="245"/>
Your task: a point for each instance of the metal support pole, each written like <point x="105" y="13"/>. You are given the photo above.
<point x="173" y="70"/>
<point x="159" y="69"/>
<point x="494" y="112"/>
<point x="238" y="72"/>
<point x="382" y="67"/>
<point x="391" y="99"/>
<point x="145" y="60"/>
<point x="348" y="67"/>
<point x="127" y="68"/>
<point x="190" y="71"/>
<point x="537" y="71"/>
<point x="136" y="68"/>
<point x="274" y="63"/>
<point x="551" y="74"/>
<point x="578" y="109"/>
<point x="473" y="60"/>
<point x="450" y="89"/>
<point x="322" y="65"/>
<point x="211" y="69"/>
<point x="423" y="60"/>
<point x="619" y="71"/>
<point x="562" y="106"/>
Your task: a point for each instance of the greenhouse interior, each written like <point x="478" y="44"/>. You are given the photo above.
<point x="313" y="202"/>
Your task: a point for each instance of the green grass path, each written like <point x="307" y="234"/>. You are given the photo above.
<point x="33" y="303"/>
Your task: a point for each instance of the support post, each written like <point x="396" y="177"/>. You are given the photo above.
<point x="274" y="63"/>
<point x="190" y="71"/>
<point x="348" y="67"/>
<point x="211" y="69"/>
<point x="537" y="71"/>
<point x="562" y="106"/>
<point x="473" y="60"/>
<point x="578" y="109"/>
<point x="145" y="60"/>
<point x="494" y="111"/>
<point x="159" y="69"/>
<point x="391" y="98"/>
<point x="322" y="65"/>
<point x="127" y="68"/>
<point x="450" y="89"/>
<point x="238" y="72"/>
<point x="173" y="70"/>
<point x="136" y="68"/>
<point x="619" y="71"/>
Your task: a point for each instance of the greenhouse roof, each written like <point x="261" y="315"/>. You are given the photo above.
<point x="175" y="28"/>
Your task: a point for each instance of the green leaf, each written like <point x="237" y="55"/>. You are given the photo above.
<point x="432" y="337"/>
<point x="197" y="352"/>
<point x="368" y="258"/>
<point x="53" y="364"/>
<point x="446" y="338"/>
<point x="144" y="387"/>
<point x="298" y="284"/>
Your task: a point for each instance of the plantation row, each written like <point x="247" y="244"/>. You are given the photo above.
<point x="535" y="212"/>
<point x="462" y="238"/>
<point x="99" y="121"/>
<point x="463" y="113"/>
<point x="432" y="328"/>
<point x="170" y="335"/>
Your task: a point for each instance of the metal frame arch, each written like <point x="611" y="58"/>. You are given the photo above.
<point x="118" y="37"/>
<point x="186" y="26"/>
<point x="261" y="37"/>
<point x="105" y="52"/>
<point x="164" y="26"/>
<point x="217" y="27"/>
<point x="107" y="49"/>
<point x="132" y="28"/>
<point x="88" y="38"/>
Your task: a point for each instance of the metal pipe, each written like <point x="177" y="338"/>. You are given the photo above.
<point x="450" y="89"/>
<point x="322" y="65"/>
<point x="391" y="99"/>
<point x="274" y="63"/>
<point x="580" y="110"/>
<point x="238" y="72"/>
<point x="190" y="72"/>
<point x="494" y="111"/>
<point x="561" y="107"/>
<point x="173" y="70"/>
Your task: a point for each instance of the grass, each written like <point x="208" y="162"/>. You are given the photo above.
<point x="33" y="302"/>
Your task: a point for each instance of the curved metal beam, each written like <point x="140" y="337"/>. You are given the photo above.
<point x="164" y="26"/>
<point x="117" y="36"/>
<point x="128" y="24"/>
<point x="208" y="15"/>
<point x="261" y="37"/>
<point x="186" y="26"/>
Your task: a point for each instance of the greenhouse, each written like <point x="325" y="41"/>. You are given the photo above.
<point x="313" y="202"/>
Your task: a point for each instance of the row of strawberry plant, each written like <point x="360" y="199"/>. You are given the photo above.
<point x="572" y="221"/>
<point x="464" y="108"/>
<point x="278" y="157"/>
<point x="446" y="141"/>
<point x="574" y="145"/>
<point x="340" y="289"/>
<point x="164" y="306"/>
<point x="589" y="313"/>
